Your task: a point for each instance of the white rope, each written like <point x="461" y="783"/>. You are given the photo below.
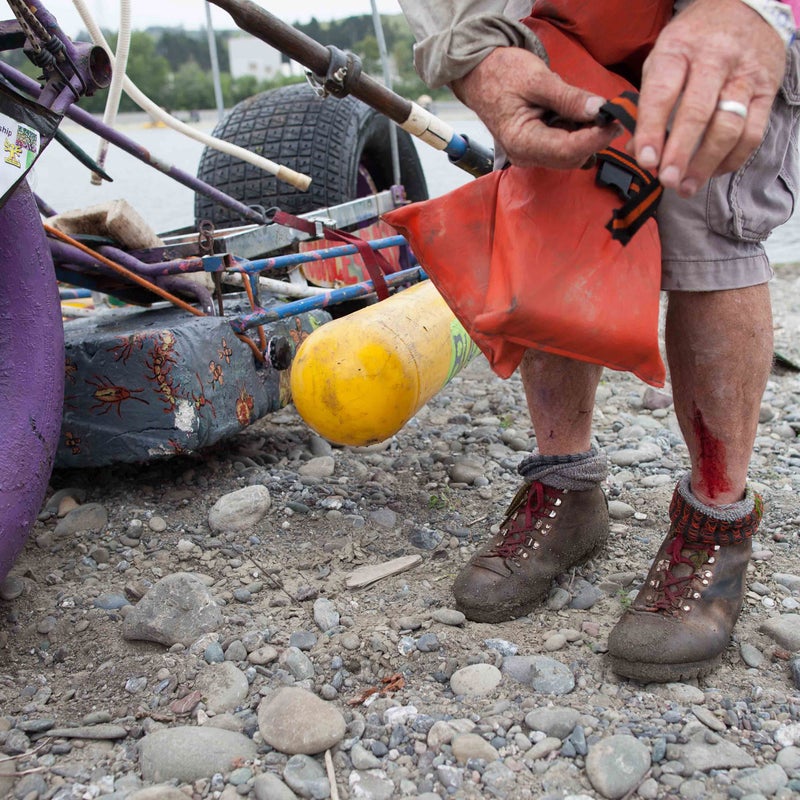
<point x="296" y="179"/>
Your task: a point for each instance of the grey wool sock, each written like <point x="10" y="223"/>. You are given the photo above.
<point x="727" y="513"/>
<point x="577" y="472"/>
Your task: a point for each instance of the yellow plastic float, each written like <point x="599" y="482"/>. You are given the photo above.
<point x="357" y="380"/>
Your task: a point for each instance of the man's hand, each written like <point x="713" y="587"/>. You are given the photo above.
<point x="714" y="50"/>
<point x="512" y="89"/>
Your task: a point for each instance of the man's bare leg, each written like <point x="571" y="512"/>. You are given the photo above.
<point x="560" y="394"/>
<point x="719" y="347"/>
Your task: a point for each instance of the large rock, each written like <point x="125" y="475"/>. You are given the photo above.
<point x="186" y="754"/>
<point x="178" y="609"/>
<point x="295" y="721"/>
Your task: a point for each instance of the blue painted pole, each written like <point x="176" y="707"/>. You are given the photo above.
<point x="261" y="317"/>
<point x="295" y="259"/>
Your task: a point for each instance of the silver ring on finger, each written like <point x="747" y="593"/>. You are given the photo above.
<point x="734" y="106"/>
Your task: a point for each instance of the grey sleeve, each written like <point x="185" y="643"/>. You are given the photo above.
<point x="454" y="36"/>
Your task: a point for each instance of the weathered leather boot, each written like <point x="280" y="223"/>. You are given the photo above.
<point x="545" y="532"/>
<point x="682" y="618"/>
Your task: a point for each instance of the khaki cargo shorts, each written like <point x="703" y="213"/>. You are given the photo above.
<point x="713" y="240"/>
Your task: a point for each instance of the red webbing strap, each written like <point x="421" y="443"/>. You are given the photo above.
<point x="644" y="192"/>
<point x="376" y="263"/>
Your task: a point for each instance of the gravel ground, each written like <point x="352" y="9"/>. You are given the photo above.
<point x="199" y="627"/>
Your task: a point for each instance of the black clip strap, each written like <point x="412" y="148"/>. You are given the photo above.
<point x="639" y="188"/>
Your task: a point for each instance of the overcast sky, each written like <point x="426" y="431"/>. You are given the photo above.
<point x="191" y="14"/>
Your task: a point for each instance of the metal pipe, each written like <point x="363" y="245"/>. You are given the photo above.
<point x="177" y="284"/>
<point x="363" y="289"/>
<point x="212" y="52"/>
<point x="411" y="117"/>
<point x="387" y="79"/>
<point x="295" y="259"/>
<point x="178" y="266"/>
<point x="86" y="120"/>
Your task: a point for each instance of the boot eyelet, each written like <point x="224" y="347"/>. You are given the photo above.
<point x="707" y="574"/>
<point x="705" y="582"/>
<point x="716" y="547"/>
<point x="696" y="595"/>
<point x="551" y="514"/>
<point x="711" y="560"/>
<point x="525" y="555"/>
<point x="536" y="545"/>
<point x="557" y="501"/>
<point x="687" y="608"/>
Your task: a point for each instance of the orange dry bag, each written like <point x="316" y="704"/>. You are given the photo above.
<point x="546" y="259"/>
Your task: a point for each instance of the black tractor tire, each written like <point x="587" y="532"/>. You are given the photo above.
<point x="343" y="144"/>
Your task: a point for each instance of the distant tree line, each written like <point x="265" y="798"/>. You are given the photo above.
<point x="172" y="66"/>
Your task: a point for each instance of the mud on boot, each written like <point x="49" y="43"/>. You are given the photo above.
<point x="681" y="621"/>
<point x="545" y="532"/>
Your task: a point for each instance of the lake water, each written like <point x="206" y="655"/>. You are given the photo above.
<point x="64" y="184"/>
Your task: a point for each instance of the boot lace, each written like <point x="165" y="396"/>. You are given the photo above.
<point x="531" y="505"/>
<point x="682" y="566"/>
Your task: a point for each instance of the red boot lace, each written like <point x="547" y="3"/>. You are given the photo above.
<point x="521" y="521"/>
<point x="673" y="587"/>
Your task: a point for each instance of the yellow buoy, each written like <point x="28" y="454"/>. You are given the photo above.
<point x="359" y="379"/>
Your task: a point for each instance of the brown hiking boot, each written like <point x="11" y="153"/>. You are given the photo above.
<point x="682" y="618"/>
<point x="545" y="532"/>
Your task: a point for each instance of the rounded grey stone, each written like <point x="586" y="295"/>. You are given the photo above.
<point x="371" y="786"/>
<point x="384" y="518"/>
<point x="616" y="765"/>
<point x="619" y="510"/>
<point x="293" y="720"/>
<point x="239" y="510"/>
<point x="325" y="614"/>
<point x="88" y="518"/>
<point x="224" y="686"/>
<point x="163" y="792"/>
<point x="558" y="722"/>
<point x="298" y="663"/>
<point x="751" y="655"/>
<point x="428" y="643"/>
<point x="320" y="467"/>
<point x="785" y="630"/>
<point x="187" y="754"/>
<point x="268" y="786"/>
<point x="766" y="780"/>
<point x="545" y="675"/>
<point x="361" y="758"/>
<point x="448" y="616"/>
<point x="307" y="777"/>
<point x="303" y="640"/>
<point x="471" y="745"/>
<point x="177" y="609"/>
<point x="11" y="587"/>
<point x="476" y="679"/>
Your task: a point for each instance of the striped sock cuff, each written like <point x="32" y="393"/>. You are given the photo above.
<point x="722" y="525"/>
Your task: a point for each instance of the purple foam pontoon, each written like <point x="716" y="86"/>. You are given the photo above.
<point x="31" y="389"/>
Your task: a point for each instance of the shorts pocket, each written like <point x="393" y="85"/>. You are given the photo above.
<point x="749" y="204"/>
